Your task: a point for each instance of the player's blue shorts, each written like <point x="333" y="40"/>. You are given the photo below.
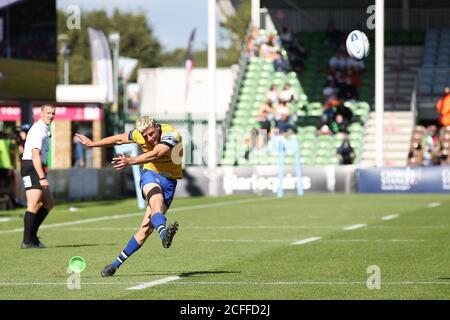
<point x="167" y="185"/>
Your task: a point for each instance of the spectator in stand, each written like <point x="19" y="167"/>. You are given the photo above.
<point x="288" y="94"/>
<point x="270" y="48"/>
<point x="273" y="95"/>
<point x="415" y="155"/>
<point x="431" y="145"/>
<point x="345" y="152"/>
<point x="286" y="37"/>
<point x="282" y="110"/>
<point x="346" y="90"/>
<point x="431" y="136"/>
<point x="339" y="124"/>
<point x="332" y="35"/>
<point x="329" y="92"/>
<point x="443" y="107"/>
<point x="253" y="42"/>
<point x="329" y="111"/>
<point x="266" y="116"/>
<point x="445" y="159"/>
<point x="297" y="53"/>
<point x="345" y="111"/>
<point x="279" y="63"/>
<point x="338" y="61"/>
<point x="323" y="128"/>
<point x="355" y="65"/>
<point x="283" y="124"/>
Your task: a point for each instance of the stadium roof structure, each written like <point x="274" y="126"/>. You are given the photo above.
<point x="226" y="8"/>
<point x="332" y="4"/>
<point x="6" y="3"/>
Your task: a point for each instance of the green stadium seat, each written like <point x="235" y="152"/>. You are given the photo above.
<point x="321" y="160"/>
<point x="334" y="161"/>
<point x="307" y="152"/>
<point x="306" y="160"/>
<point x="362" y="105"/>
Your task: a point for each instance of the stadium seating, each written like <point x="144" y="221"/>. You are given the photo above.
<point x="434" y="73"/>
<point x="259" y="75"/>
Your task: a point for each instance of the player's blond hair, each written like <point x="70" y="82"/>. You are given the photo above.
<point x="145" y="122"/>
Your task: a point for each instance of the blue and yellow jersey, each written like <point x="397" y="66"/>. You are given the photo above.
<point x="166" y="166"/>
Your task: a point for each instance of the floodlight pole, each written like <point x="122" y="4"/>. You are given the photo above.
<point x="212" y="139"/>
<point x="65" y="52"/>
<point x="379" y="79"/>
<point x="256" y="13"/>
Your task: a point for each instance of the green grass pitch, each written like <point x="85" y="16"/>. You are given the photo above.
<point x="240" y="248"/>
<point x="24" y="79"/>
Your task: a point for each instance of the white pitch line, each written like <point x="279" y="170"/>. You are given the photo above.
<point x="434" y="204"/>
<point x="307" y="240"/>
<point x="390" y="217"/>
<point x="154" y="283"/>
<point x="277" y="283"/>
<point x="8" y="219"/>
<point x="206" y="228"/>
<point x="128" y="215"/>
<point x="355" y="226"/>
<point x="226" y="283"/>
<point x="373" y="240"/>
<point x="243" y="240"/>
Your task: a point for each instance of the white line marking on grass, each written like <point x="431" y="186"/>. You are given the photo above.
<point x="242" y="240"/>
<point x="128" y="215"/>
<point x="355" y="226"/>
<point x="390" y="217"/>
<point x="8" y="219"/>
<point x="226" y="283"/>
<point x="307" y="240"/>
<point x="154" y="283"/>
<point x="434" y="204"/>
<point x="277" y="283"/>
<point x="373" y="240"/>
<point x="205" y="228"/>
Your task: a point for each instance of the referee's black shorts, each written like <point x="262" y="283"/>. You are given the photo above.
<point x="30" y="177"/>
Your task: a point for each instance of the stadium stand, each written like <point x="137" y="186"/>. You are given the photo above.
<point x="427" y="147"/>
<point x="305" y="108"/>
<point x="434" y="72"/>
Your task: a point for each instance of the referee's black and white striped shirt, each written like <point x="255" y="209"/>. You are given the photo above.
<point x="37" y="137"/>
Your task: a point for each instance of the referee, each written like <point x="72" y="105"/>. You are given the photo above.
<point x="39" y="198"/>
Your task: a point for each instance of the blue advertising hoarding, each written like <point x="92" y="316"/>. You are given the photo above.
<point x="405" y="179"/>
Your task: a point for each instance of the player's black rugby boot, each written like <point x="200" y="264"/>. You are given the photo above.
<point x="108" y="271"/>
<point x="170" y="233"/>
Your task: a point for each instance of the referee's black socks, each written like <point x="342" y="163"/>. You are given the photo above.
<point x="29" y="220"/>
<point x="32" y="222"/>
<point x="40" y="216"/>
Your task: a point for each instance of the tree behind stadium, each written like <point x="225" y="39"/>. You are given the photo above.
<point x="137" y="41"/>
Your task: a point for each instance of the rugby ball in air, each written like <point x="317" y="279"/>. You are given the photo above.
<point x="357" y="45"/>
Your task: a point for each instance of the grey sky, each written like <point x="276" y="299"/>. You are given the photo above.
<point x="172" y="20"/>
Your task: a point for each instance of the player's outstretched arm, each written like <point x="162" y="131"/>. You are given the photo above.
<point x="105" y="142"/>
<point x="159" y="151"/>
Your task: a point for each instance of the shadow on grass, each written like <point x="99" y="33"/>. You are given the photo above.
<point x="86" y="245"/>
<point x="174" y="273"/>
<point x="89" y="204"/>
